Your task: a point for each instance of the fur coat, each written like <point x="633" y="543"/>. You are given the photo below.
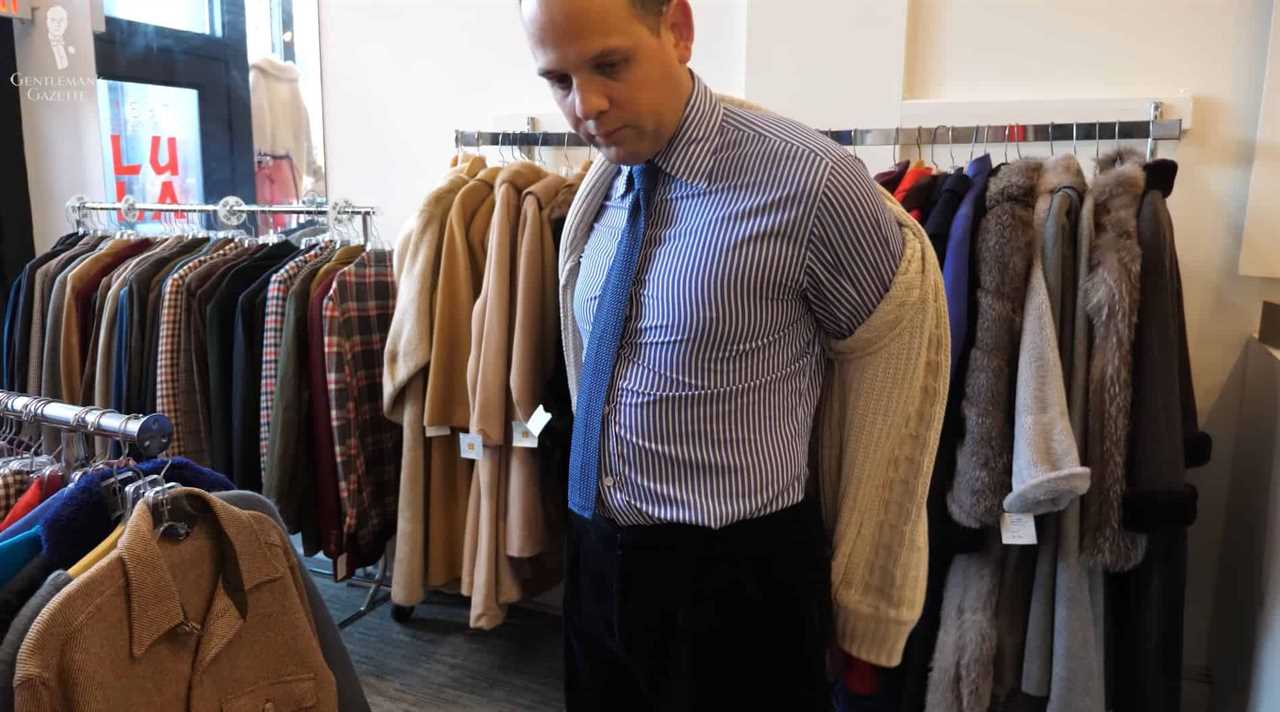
<point x="1003" y="251"/>
<point x="963" y="672"/>
<point x="1111" y="296"/>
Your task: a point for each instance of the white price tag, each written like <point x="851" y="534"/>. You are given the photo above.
<point x="436" y="431"/>
<point x="522" y="436"/>
<point x="472" y="447"/>
<point x="1017" y="529"/>
<point x="538" y="421"/>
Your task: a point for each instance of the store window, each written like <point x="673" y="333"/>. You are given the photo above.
<point x="200" y="16"/>
<point x="203" y="99"/>
<point x="151" y="141"/>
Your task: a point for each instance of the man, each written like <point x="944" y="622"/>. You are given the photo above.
<point x="726" y="246"/>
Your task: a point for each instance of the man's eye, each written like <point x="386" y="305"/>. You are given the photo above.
<point x="609" y="69"/>
<point x="562" y="83"/>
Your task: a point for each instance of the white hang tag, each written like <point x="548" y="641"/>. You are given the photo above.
<point x="522" y="436"/>
<point x="470" y="445"/>
<point x="538" y="421"/>
<point x="436" y="431"/>
<point x="1017" y="529"/>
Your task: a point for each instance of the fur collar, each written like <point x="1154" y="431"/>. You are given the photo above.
<point x="1111" y="296"/>
<point x="1062" y="172"/>
<point x="1014" y="183"/>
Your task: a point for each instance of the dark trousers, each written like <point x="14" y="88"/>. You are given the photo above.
<point x="677" y="617"/>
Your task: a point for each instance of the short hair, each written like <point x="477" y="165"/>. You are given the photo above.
<point x="653" y="8"/>
<point x="650" y="10"/>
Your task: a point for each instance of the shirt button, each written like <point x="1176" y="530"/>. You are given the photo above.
<point x="608" y="482"/>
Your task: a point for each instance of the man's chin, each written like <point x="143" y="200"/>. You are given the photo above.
<point x="622" y="155"/>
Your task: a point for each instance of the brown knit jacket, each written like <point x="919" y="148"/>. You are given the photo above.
<point x="217" y="621"/>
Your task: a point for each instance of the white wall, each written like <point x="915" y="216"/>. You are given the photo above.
<point x="391" y="105"/>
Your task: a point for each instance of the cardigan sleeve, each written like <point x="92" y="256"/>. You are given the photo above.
<point x="877" y="439"/>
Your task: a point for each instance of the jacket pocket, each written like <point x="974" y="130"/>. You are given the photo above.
<point x="284" y="695"/>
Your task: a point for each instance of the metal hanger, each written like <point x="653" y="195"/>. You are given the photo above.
<point x="1097" y="142"/>
<point x="895" y="145"/>
<point x="1051" y="139"/>
<point x="919" y="148"/>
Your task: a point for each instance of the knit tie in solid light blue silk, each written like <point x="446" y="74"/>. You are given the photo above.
<point x="602" y="348"/>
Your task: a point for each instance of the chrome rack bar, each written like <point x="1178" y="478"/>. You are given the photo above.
<point x="366" y="211"/>
<point x="149" y="433"/>
<point x="1107" y="130"/>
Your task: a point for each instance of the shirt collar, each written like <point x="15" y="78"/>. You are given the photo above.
<point x="250" y="559"/>
<point x="688" y="155"/>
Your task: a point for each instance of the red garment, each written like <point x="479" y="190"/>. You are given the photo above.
<point x="328" y="506"/>
<point x="276" y="184"/>
<point x="27" y="502"/>
<point x="860" y="676"/>
<point x="913" y="176"/>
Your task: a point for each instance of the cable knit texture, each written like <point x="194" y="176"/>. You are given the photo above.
<point x="1111" y="295"/>
<point x="1003" y="251"/>
<point x="877" y="431"/>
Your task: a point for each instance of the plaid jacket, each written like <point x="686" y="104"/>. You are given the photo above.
<point x="12" y="486"/>
<point x="357" y="317"/>
<point x="173" y="311"/>
<point x="272" y="338"/>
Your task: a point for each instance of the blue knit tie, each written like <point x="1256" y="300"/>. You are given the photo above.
<point x="602" y="348"/>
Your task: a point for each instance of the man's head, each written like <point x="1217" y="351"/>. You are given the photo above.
<point x="56" y="20"/>
<point x="617" y="68"/>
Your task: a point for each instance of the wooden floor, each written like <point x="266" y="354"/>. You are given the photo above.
<point x="436" y="662"/>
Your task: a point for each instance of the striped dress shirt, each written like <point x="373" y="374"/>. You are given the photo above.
<point x="763" y="238"/>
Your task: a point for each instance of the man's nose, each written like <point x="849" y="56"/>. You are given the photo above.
<point x="589" y="102"/>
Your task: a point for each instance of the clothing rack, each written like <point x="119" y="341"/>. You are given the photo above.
<point x="1151" y="130"/>
<point x="230" y="210"/>
<point x="149" y="433"/>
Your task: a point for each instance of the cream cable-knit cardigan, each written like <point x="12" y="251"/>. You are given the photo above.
<point x="876" y="433"/>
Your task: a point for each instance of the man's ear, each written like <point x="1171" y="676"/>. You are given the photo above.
<point x="679" y="22"/>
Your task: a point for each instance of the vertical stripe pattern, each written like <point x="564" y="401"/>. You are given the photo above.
<point x="763" y="237"/>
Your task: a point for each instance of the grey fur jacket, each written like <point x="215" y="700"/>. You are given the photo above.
<point x="1002" y="251"/>
<point x="1111" y="296"/>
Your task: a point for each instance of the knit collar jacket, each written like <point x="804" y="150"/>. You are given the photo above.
<point x="876" y="431"/>
<point x="161" y="624"/>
